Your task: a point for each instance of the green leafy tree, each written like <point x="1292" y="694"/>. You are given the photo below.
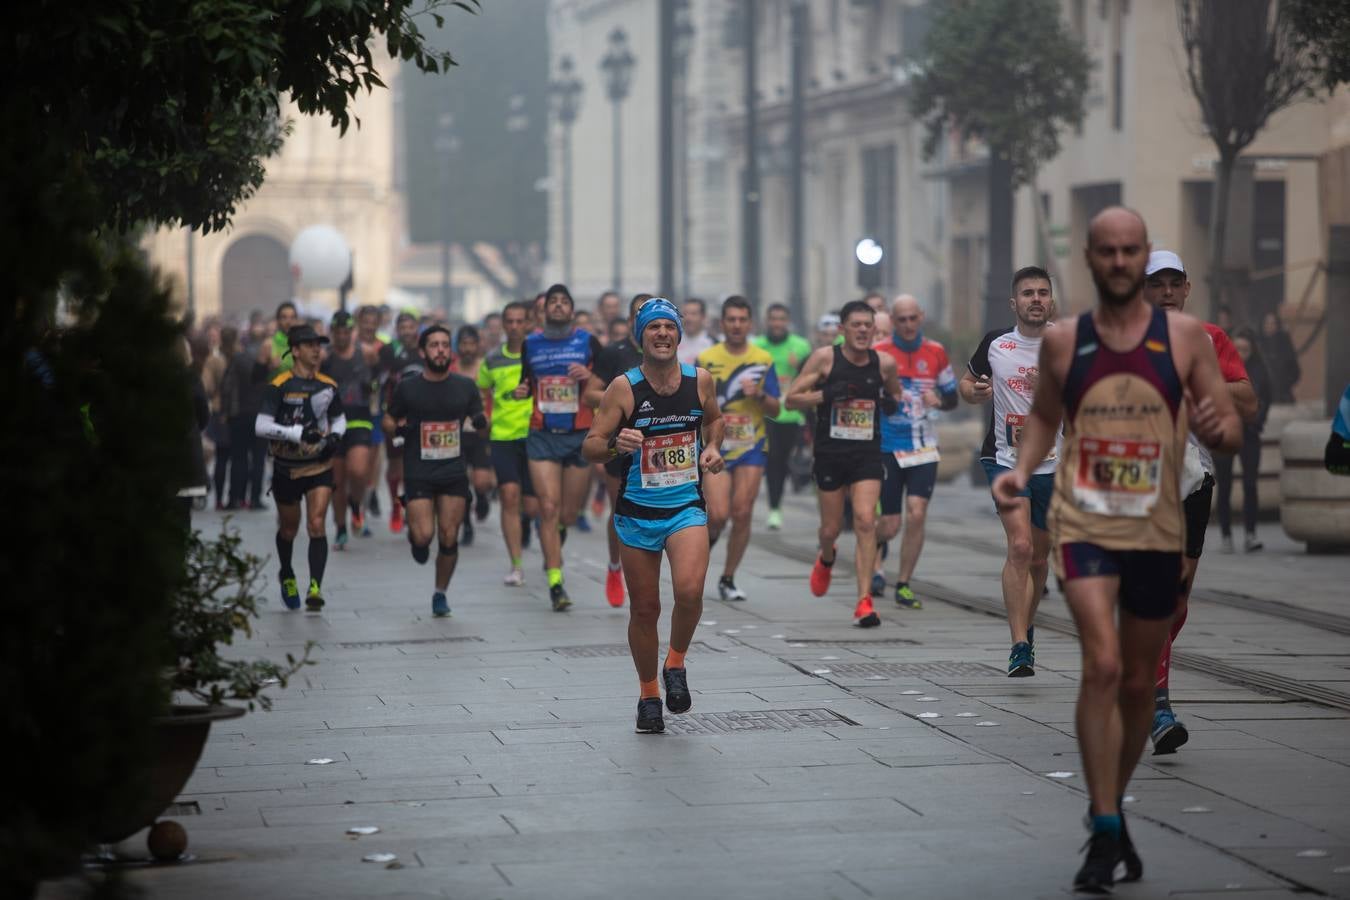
<point x="1324" y="26"/>
<point x="117" y="114"/>
<point x="1009" y="73"/>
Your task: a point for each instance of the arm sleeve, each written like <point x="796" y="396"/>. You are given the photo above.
<point x="979" y="360"/>
<point x="339" y="425"/>
<point x="265" y="426"/>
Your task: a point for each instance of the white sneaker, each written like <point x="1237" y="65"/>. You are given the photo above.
<point x="514" y="578"/>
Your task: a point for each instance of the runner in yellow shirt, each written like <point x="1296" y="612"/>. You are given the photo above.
<point x="747" y="391"/>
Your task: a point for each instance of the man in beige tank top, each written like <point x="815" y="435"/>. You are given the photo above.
<point x="1127" y="380"/>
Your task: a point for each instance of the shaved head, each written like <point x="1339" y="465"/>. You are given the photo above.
<point x="906" y="317"/>
<point x="1117" y="253"/>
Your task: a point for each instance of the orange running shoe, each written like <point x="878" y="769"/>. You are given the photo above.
<point x="598" y="507"/>
<point x="864" y="616"/>
<point x="396" y="518"/>
<point x="614" y="587"/>
<point x="820" y="577"/>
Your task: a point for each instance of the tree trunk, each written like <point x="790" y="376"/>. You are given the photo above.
<point x="1043" y="232"/>
<point x="1218" y="231"/>
<point x="1000" y="238"/>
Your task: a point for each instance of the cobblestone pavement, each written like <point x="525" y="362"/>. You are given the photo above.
<point x="495" y="750"/>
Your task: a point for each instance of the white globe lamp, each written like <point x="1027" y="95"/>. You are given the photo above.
<point x="321" y="257"/>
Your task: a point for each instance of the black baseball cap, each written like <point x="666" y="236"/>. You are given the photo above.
<point x="303" y="334"/>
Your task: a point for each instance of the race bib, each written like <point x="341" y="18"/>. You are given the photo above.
<point x="669" y="460"/>
<point x="440" y="440"/>
<point x="557" y="394"/>
<point x="921" y="457"/>
<point x="1118" y="478"/>
<point x="853" y="420"/>
<point x="740" y="431"/>
<point x="1013" y="424"/>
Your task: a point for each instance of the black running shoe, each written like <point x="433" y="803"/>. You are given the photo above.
<point x="649" y="719"/>
<point x="480" y="506"/>
<point x="558" y="596"/>
<point x="677" y="690"/>
<point x="1134" y="866"/>
<point x="1097" y="876"/>
<point x="466" y="535"/>
<point x="526" y="530"/>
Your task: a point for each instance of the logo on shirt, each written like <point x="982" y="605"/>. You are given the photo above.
<point x="921" y="365"/>
<point x="1155" y="346"/>
<point x="1007" y="345"/>
<point x="646" y="406"/>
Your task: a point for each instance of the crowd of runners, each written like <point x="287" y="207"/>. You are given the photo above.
<point x="1099" y="454"/>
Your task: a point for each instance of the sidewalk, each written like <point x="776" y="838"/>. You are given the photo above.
<point x="495" y="749"/>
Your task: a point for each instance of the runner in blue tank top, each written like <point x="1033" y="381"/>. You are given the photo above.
<point x="663" y="418"/>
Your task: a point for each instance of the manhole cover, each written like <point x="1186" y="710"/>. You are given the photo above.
<point x="939" y="668"/>
<point x="591" y="651"/>
<point x="756" y="720"/>
<point x="856" y="642"/>
<point x="458" y="639"/>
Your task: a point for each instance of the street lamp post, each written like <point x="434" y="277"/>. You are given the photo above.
<point x="617" y="67"/>
<point x="566" y="93"/>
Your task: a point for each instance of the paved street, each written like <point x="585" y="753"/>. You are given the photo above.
<point x="495" y="750"/>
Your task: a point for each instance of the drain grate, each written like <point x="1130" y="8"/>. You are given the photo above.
<point x="595" y="651"/>
<point x="856" y="642"/>
<point x="182" y="808"/>
<point x="457" y="639"/>
<point x="756" y="720"/>
<point x="939" y="668"/>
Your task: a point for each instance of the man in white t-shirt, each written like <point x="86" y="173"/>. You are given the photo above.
<point x="696" y="338"/>
<point x="1004" y="368"/>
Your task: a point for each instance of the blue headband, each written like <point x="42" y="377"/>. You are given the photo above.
<point x="658" y="308"/>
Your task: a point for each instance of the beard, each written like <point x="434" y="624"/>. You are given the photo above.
<point x="1109" y="295"/>
<point x="438" y="368"/>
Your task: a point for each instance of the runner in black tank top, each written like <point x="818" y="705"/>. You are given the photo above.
<point x="850" y="387"/>
<point x="662" y="418"/>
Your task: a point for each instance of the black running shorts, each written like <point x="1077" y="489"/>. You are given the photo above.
<point x="290" y="491"/>
<point x="1196" y="510"/>
<point x="834" y="472"/>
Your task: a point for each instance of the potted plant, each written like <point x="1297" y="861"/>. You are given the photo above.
<point x="217" y="600"/>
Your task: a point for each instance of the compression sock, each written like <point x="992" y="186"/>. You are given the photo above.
<point x="318" y="557"/>
<point x="554" y="577"/>
<point x="674" y="659"/>
<point x="1110" y="824"/>
<point x="285" y="549"/>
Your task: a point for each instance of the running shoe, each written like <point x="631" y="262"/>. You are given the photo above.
<point x="514" y="578"/>
<point x="1097" y="876"/>
<point x="1251" y="544"/>
<point x="904" y="596"/>
<point x="365" y="530"/>
<point x="358" y="521"/>
<point x="374" y="504"/>
<point x="598" y="507"/>
<point x="439" y="606"/>
<point x="340" y="542"/>
<point x="775" y="520"/>
<point x="820" y="577"/>
<point x="290" y="592"/>
<point x="677" y="690"/>
<point x="1031" y="642"/>
<point x="878" y="584"/>
<point x="727" y="590"/>
<point x="649" y="720"/>
<point x="864" y="616"/>
<point x="558" y="596"/>
<point x="614" y="587"/>
<point x="1019" y="661"/>
<point x="396" y="518"/>
<point x="1168" y="734"/>
<point x="466" y="536"/>
<point x="313" y="599"/>
<point x="480" y="506"/>
<point x="583" y="525"/>
<point x="1134" y="866"/>
<point x="1226" y="543"/>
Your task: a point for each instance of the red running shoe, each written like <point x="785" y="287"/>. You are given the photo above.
<point x="396" y="518"/>
<point x="820" y="577"/>
<point x="614" y="587"/>
<point x="864" y="616"/>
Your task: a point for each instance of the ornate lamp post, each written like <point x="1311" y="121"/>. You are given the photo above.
<point x="566" y="93"/>
<point x="617" y="67"/>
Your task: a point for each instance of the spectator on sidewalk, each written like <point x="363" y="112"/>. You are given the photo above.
<point x="240" y="398"/>
<point x="1277" y="349"/>
<point x="213" y="382"/>
<point x="1244" y="340"/>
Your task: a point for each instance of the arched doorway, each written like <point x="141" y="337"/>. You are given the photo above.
<point x="255" y="274"/>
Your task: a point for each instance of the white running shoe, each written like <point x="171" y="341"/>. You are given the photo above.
<point x="514" y="578"/>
